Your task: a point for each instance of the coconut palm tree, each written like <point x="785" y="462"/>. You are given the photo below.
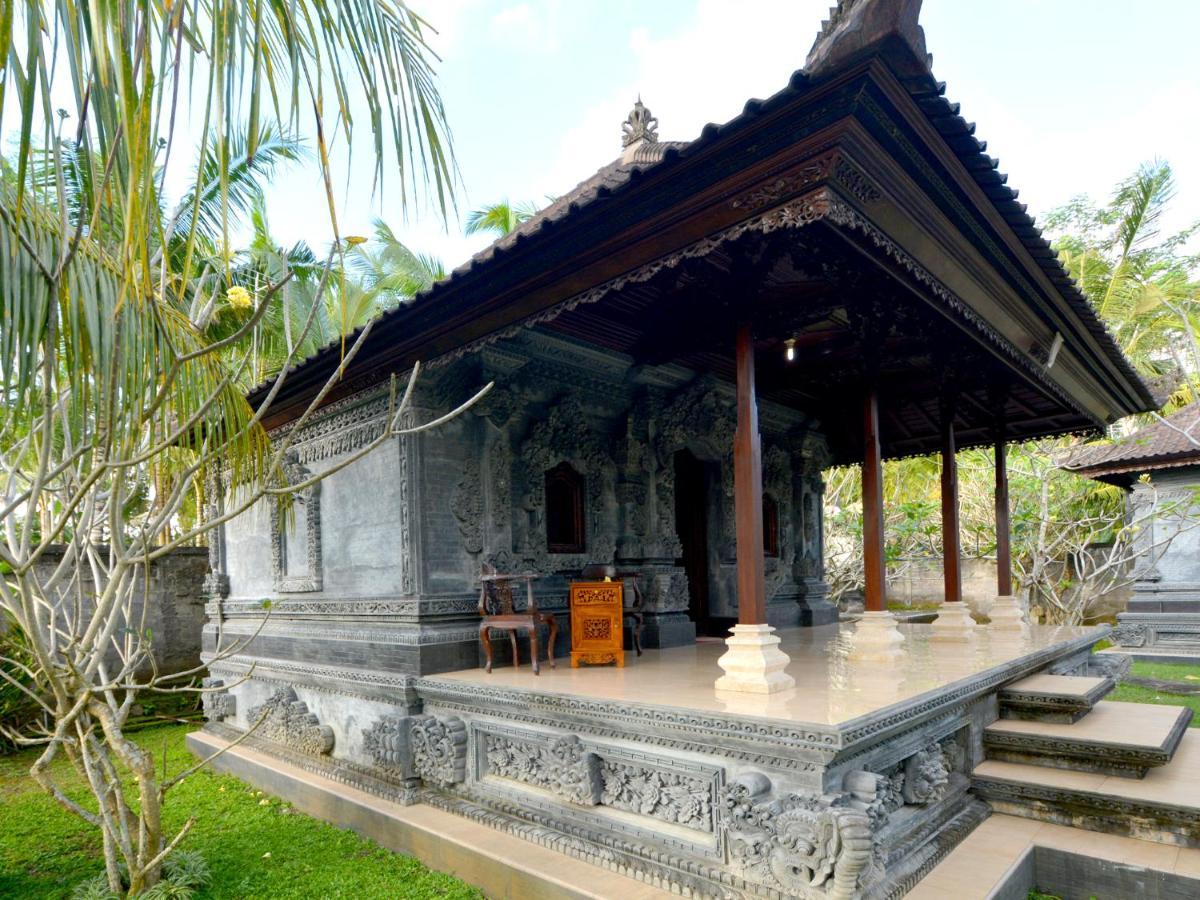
<point x="1141" y="286"/>
<point x="389" y="271"/>
<point x="111" y="377"/>
<point x="499" y="218"/>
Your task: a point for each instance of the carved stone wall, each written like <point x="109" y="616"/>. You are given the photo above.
<point x="391" y="546"/>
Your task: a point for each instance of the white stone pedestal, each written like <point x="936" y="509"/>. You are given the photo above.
<point x="954" y="622"/>
<point x="753" y="662"/>
<point x="1006" y="614"/>
<point x="876" y="638"/>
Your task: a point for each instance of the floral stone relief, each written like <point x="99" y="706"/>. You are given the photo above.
<point x="285" y="719"/>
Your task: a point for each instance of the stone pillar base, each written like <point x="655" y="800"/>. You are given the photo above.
<point x="1006" y="614"/>
<point x="954" y="622"/>
<point x="876" y="638"/>
<point x="753" y="662"/>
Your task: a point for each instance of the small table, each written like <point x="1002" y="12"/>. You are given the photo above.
<point x="597" y="614"/>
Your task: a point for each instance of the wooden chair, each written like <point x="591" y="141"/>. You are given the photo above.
<point x="498" y="609"/>
<point x="600" y="571"/>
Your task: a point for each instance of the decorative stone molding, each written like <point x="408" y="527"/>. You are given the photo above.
<point x="1127" y="634"/>
<point x="802" y="846"/>
<point x="310" y="501"/>
<point x="350" y="608"/>
<point x="439" y="749"/>
<point x="216" y="580"/>
<point x="342" y="427"/>
<point x="920" y="780"/>
<point x="386" y="743"/>
<point x="466" y="505"/>
<point x="285" y="719"/>
<point x="500" y="485"/>
<point x="218" y="704"/>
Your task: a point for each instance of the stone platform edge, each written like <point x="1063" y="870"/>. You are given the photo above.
<point x="499" y="864"/>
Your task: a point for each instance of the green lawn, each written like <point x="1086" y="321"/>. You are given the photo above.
<point x="1134" y="693"/>
<point x="1166" y="671"/>
<point x="256" y="846"/>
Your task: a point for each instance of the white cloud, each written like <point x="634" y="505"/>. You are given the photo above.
<point x="704" y="72"/>
<point x="526" y="29"/>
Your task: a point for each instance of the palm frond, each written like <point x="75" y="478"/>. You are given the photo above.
<point x="499" y="218"/>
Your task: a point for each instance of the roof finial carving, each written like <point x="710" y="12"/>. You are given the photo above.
<point x="640" y="127"/>
<point x="855" y="27"/>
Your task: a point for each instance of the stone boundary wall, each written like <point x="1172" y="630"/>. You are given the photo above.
<point x="176" y="605"/>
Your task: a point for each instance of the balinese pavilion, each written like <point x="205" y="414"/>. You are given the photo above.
<point x="1159" y="465"/>
<point x="677" y="348"/>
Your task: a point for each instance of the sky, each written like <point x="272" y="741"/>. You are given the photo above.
<point x="1071" y="95"/>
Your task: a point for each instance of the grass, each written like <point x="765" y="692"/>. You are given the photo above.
<point x="256" y="846"/>
<point x="922" y="606"/>
<point x="1136" y="693"/>
<point x="1166" y="671"/>
<point x="1133" y="693"/>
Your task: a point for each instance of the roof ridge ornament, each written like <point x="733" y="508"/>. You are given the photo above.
<point x="855" y="26"/>
<point x="639" y="127"/>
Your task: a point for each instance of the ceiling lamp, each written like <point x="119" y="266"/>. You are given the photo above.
<point x="790" y="353"/>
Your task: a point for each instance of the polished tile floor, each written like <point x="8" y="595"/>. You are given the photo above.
<point x="830" y="687"/>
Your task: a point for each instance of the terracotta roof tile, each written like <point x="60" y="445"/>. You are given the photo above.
<point x="1167" y="443"/>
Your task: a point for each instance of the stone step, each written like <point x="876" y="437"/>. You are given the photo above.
<point x="1164" y="806"/>
<point x="1126" y="739"/>
<point x="1053" y="698"/>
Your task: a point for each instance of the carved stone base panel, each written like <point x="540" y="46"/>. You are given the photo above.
<point x="1172" y="629"/>
<point x="660" y="797"/>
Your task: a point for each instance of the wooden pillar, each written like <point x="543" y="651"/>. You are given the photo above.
<point x="1003" y="533"/>
<point x="951" y="551"/>
<point x="874" y="565"/>
<point x="747" y="490"/>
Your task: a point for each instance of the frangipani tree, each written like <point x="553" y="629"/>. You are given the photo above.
<point x="113" y="379"/>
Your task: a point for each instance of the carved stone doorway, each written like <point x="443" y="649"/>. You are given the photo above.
<point x="692" y="489"/>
